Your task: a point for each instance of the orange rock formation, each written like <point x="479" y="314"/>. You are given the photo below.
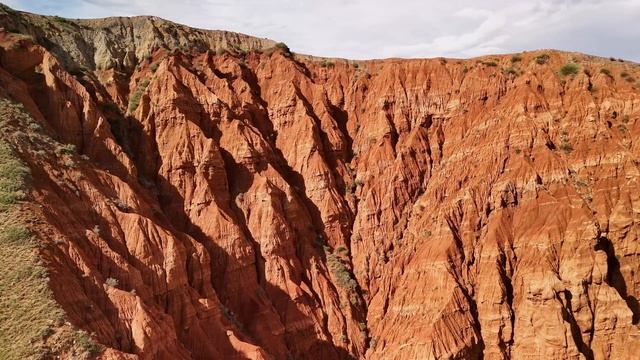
<point x="255" y="204"/>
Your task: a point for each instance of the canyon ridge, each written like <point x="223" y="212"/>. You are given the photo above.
<point x="174" y="193"/>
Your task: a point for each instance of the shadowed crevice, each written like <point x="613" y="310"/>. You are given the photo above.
<point x="615" y="278"/>
<point x="564" y="297"/>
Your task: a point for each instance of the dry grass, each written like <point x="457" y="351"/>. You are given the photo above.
<point x="32" y="324"/>
<point x="134" y="101"/>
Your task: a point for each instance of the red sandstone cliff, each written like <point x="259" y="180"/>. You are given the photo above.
<point x="254" y="204"/>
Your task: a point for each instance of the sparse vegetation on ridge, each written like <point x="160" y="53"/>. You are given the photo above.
<point x="65" y="149"/>
<point x="283" y="47"/>
<point x="326" y="63"/>
<point x="490" y="63"/>
<point x="565" y="144"/>
<point x="606" y="72"/>
<point x="31" y="322"/>
<point x="340" y="270"/>
<point x="134" y="101"/>
<point x="12" y="174"/>
<point x="61" y="20"/>
<point x="542" y="59"/>
<point x="569" y="69"/>
<point x="274" y="141"/>
<point x="626" y="76"/>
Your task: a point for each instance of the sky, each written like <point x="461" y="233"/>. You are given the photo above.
<point x="366" y="29"/>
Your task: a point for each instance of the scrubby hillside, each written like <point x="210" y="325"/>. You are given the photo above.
<point x="32" y="324"/>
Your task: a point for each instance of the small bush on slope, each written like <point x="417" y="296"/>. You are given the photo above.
<point x="607" y="72"/>
<point x="542" y="59"/>
<point x="569" y="69"/>
<point x="283" y="46"/>
<point x="135" y="97"/>
<point x="341" y="272"/>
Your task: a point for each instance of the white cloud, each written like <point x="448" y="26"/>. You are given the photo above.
<point x="384" y="28"/>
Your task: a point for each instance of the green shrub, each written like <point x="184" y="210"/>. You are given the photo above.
<point x="63" y="21"/>
<point x="606" y="72"/>
<point x="542" y="59"/>
<point x="326" y="63"/>
<point x="624" y="74"/>
<point x="340" y="272"/>
<point x="490" y="63"/>
<point x="35" y="127"/>
<point x="569" y="69"/>
<point x="282" y="46"/>
<point x="86" y="344"/>
<point x="70" y="163"/>
<point x="65" y="149"/>
<point x="134" y="101"/>
<point x="565" y="146"/>
<point x="516" y="58"/>
<point x="239" y="51"/>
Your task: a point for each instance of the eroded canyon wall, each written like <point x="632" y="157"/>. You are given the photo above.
<point x="197" y="203"/>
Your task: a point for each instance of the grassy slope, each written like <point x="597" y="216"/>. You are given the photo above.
<point x="32" y="324"/>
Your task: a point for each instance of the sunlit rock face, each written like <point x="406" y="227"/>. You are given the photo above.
<point x="227" y="199"/>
